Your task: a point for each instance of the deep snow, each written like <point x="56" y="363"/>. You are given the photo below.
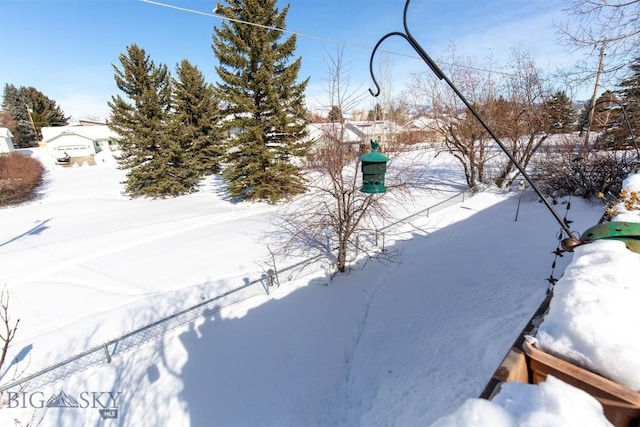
<point x="401" y="343"/>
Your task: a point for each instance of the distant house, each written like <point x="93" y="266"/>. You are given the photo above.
<point x="427" y="128"/>
<point x="324" y="134"/>
<point x="78" y="141"/>
<point x="6" y="141"/>
<point x="357" y="134"/>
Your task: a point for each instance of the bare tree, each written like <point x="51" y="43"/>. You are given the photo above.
<point x="522" y="126"/>
<point x="9" y="328"/>
<point x="509" y="101"/>
<point x="464" y="137"/>
<point x="606" y="33"/>
<point x="334" y="213"/>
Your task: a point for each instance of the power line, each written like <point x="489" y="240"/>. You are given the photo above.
<point x="306" y="35"/>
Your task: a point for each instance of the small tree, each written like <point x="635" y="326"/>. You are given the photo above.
<point x="334" y="213"/>
<point x="335" y="115"/>
<point x="559" y="114"/>
<point x="8" y="328"/>
<point x="526" y="129"/>
<point x="464" y="137"/>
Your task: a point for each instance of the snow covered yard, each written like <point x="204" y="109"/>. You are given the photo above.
<point x="592" y="323"/>
<point x="403" y="343"/>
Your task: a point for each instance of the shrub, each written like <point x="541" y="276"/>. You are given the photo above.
<point x="566" y="168"/>
<point x="20" y="177"/>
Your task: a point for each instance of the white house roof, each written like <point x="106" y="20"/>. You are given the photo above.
<point x="320" y="130"/>
<point x="95" y="133"/>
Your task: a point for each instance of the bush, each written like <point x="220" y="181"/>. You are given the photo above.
<point x="566" y="168"/>
<point x="20" y="177"/>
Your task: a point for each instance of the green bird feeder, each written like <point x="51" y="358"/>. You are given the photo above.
<point x="374" y="166"/>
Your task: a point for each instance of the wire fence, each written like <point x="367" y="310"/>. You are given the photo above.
<point x="261" y="286"/>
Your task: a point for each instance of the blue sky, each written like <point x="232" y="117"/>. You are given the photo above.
<point x="66" y="48"/>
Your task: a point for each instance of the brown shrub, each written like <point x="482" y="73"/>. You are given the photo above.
<point x="20" y="177"/>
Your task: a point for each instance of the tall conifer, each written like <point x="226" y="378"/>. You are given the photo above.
<point x="153" y="158"/>
<point x="196" y="120"/>
<point x="630" y="94"/>
<point x="263" y="104"/>
<point x="15" y="104"/>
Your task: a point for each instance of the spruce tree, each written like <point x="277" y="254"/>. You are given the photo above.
<point x="15" y="104"/>
<point x="559" y="113"/>
<point x="196" y="119"/>
<point x="32" y="111"/>
<point x="583" y="117"/>
<point x="630" y="98"/>
<point x="44" y="110"/>
<point x="154" y="159"/>
<point x="263" y="104"/>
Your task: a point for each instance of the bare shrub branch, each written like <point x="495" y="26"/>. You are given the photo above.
<point x="9" y="329"/>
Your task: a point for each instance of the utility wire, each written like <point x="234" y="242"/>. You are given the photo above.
<point x="306" y="35"/>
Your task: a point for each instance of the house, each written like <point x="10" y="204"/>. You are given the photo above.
<point x="427" y="128"/>
<point x="356" y="133"/>
<point x="6" y="141"/>
<point x="78" y="141"/>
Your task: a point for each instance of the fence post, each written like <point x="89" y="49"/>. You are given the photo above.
<point x="106" y="351"/>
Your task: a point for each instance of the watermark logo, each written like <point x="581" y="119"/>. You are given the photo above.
<point x="106" y="402"/>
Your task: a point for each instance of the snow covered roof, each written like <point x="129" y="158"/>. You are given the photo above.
<point x="94" y="132"/>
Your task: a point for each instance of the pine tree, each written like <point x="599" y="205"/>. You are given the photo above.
<point x="559" y="113"/>
<point x="155" y="161"/>
<point x="262" y="102"/>
<point x="196" y="120"/>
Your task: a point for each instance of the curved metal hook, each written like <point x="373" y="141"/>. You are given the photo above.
<point x="413" y="43"/>
<point x="438" y="72"/>
<point x="373" y="77"/>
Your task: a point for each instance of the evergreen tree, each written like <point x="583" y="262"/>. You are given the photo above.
<point x="604" y="115"/>
<point x="559" y="114"/>
<point x="263" y="105"/>
<point x="630" y="98"/>
<point x="335" y="115"/>
<point x="375" y="113"/>
<point x="31" y="110"/>
<point x="196" y="120"/>
<point x="155" y="161"/>
<point x="583" y="118"/>
<point x="44" y="111"/>
<point x="14" y="104"/>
